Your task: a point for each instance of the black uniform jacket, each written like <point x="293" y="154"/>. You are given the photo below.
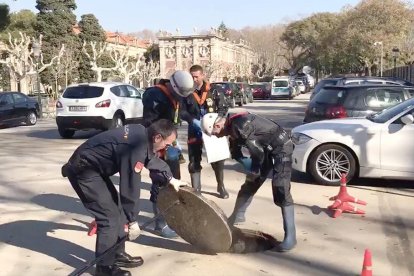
<point x="157" y="105"/>
<point x="260" y="135"/>
<point x="125" y="150"/>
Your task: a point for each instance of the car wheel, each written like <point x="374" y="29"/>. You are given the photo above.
<point x="31" y="118"/>
<point x="66" y="133"/>
<point x="240" y="103"/>
<point x="329" y="162"/>
<point x="117" y="121"/>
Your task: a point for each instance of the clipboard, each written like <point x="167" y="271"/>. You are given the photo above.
<point x="217" y="148"/>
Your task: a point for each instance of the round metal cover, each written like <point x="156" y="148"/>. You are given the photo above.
<point x="196" y="219"/>
<point x="249" y="241"/>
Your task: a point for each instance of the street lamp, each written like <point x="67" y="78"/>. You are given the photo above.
<point x="382" y="53"/>
<point x="395" y="53"/>
<point x="36" y="53"/>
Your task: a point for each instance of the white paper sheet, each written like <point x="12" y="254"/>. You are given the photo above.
<point x="216" y="148"/>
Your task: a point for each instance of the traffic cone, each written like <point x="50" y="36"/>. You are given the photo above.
<point x="343" y="195"/>
<point x="367" y="265"/>
<point x="92" y="228"/>
<point x="345" y="207"/>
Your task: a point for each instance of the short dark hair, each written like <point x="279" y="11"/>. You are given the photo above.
<point x="196" y="68"/>
<point x="162" y="127"/>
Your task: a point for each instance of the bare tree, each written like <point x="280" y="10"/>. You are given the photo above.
<point x="98" y="49"/>
<point x="126" y="65"/>
<point x="20" y="59"/>
<point x="148" y="71"/>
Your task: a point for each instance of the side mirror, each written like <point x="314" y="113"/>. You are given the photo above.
<point x="407" y="119"/>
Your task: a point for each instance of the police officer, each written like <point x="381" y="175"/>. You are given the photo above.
<point x="270" y="148"/>
<point x="194" y="107"/>
<point x="162" y="101"/>
<point x="125" y="150"/>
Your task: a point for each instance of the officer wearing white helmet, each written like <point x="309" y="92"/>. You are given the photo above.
<point x="162" y="101"/>
<point x="270" y="149"/>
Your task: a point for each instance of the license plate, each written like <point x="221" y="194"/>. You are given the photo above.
<point x="78" y="108"/>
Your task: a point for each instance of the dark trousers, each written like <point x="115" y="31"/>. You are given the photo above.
<point x="280" y="162"/>
<point x="156" y="184"/>
<point x="195" y="151"/>
<point x="99" y="195"/>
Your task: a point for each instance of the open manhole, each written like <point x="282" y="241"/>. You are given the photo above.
<point x="250" y="241"/>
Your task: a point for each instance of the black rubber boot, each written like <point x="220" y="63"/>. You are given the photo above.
<point x="196" y="181"/>
<point x="289" y="241"/>
<point x="161" y="225"/>
<point x="110" y="270"/>
<point x="218" y="169"/>
<point x="123" y="259"/>
<point x="238" y="215"/>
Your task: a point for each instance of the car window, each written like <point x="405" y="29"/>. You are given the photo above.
<point x="330" y="96"/>
<point x="280" y="83"/>
<point x="383" y="97"/>
<point x="411" y="91"/>
<point x="133" y="93"/>
<point x="391" y="112"/>
<point x="19" y="98"/>
<point x="123" y="91"/>
<point x="219" y="86"/>
<point x="6" y="100"/>
<point x="83" y="92"/>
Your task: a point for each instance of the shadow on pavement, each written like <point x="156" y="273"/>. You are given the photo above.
<point x="54" y="134"/>
<point x="38" y="236"/>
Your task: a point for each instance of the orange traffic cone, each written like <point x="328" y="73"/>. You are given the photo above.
<point x="347" y="208"/>
<point x="367" y="265"/>
<point x="343" y="195"/>
<point x="92" y="228"/>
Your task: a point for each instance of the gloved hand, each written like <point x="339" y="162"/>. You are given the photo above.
<point x="172" y="153"/>
<point x="133" y="230"/>
<point x="176" y="183"/>
<point x="246" y="162"/>
<point x="196" y="123"/>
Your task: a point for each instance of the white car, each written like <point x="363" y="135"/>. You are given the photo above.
<point x="99" y="105"/>
<point x="378" y="146"/>
<point x="301" y="85"/>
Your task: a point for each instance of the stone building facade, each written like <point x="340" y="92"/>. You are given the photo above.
<point x="222" y="59"/>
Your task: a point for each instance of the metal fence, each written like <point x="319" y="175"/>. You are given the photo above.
<point x="402" y="72"/>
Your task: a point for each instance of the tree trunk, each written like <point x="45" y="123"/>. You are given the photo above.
<point x="98" y="75"/>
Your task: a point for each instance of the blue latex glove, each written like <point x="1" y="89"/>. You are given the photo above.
<point x="196" y="123"/>
<point x="246" y="162"/>
<point x="172" y="153"/>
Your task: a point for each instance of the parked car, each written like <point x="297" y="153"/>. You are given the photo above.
<point x="301" y="85"/>
<point x="261" y="90"/>
<point x="358" y="80"/>
<point x="354" y="101"/>
<point x="17" y="108"/>
<point x="100" y="105"/>
<point x="247" y="92"/>
<point x="283" y="87"/>
<point x="231" y="91"/>
<point x="378" y="146"/>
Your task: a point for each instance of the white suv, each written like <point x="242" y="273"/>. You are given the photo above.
<point x="99" y="105"/>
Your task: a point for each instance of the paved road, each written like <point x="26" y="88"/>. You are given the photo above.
<point x="43" y="224"/>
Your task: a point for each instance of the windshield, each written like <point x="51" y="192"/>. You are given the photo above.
<point x="391" y="112"/>
<point x="280" y="83"/>
<point x="83" y="92"/>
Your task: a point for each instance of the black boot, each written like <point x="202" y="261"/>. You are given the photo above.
<point x="238" y="215"/>
<point x="110" y="270"/>
<point x="289" y="240"/>
<point x="123" y="259"/>
<point x="218" y="170"/>
<point x="196" y="181"/>
<point x="161" y="225"/>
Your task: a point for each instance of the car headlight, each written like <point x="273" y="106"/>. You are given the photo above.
<point x="300" y="138"/>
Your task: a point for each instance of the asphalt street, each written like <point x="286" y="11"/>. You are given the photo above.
<point x="43" y="226"/>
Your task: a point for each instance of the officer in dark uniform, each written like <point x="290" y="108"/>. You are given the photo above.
<point x="270" y="148"/>
<point x="194" y="107"/>
<point x="125" y="150"/>
<point x="162" y="101"/>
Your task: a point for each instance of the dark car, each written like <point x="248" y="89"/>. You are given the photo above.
<point x="357" y="81"/>
<point x="261" y="90"/>
<point x="16" y="108"/>
<point x="247" y="92"/>
<point x="231" y="91"/>
<point x="354" y="101"/>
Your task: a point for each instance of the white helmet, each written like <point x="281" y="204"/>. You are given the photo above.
<point x="182" y="82"/>
<point x="207" y="122"/>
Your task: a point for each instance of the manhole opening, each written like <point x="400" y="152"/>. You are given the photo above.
<point x="249" y="241"/>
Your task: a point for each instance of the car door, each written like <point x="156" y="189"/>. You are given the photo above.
<point x="125" y="101"/>
<point x="21" y="106"/>
<point x="7" y="112"/>
<point x="135" y="97"/>
<point x="397" y="147"/>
